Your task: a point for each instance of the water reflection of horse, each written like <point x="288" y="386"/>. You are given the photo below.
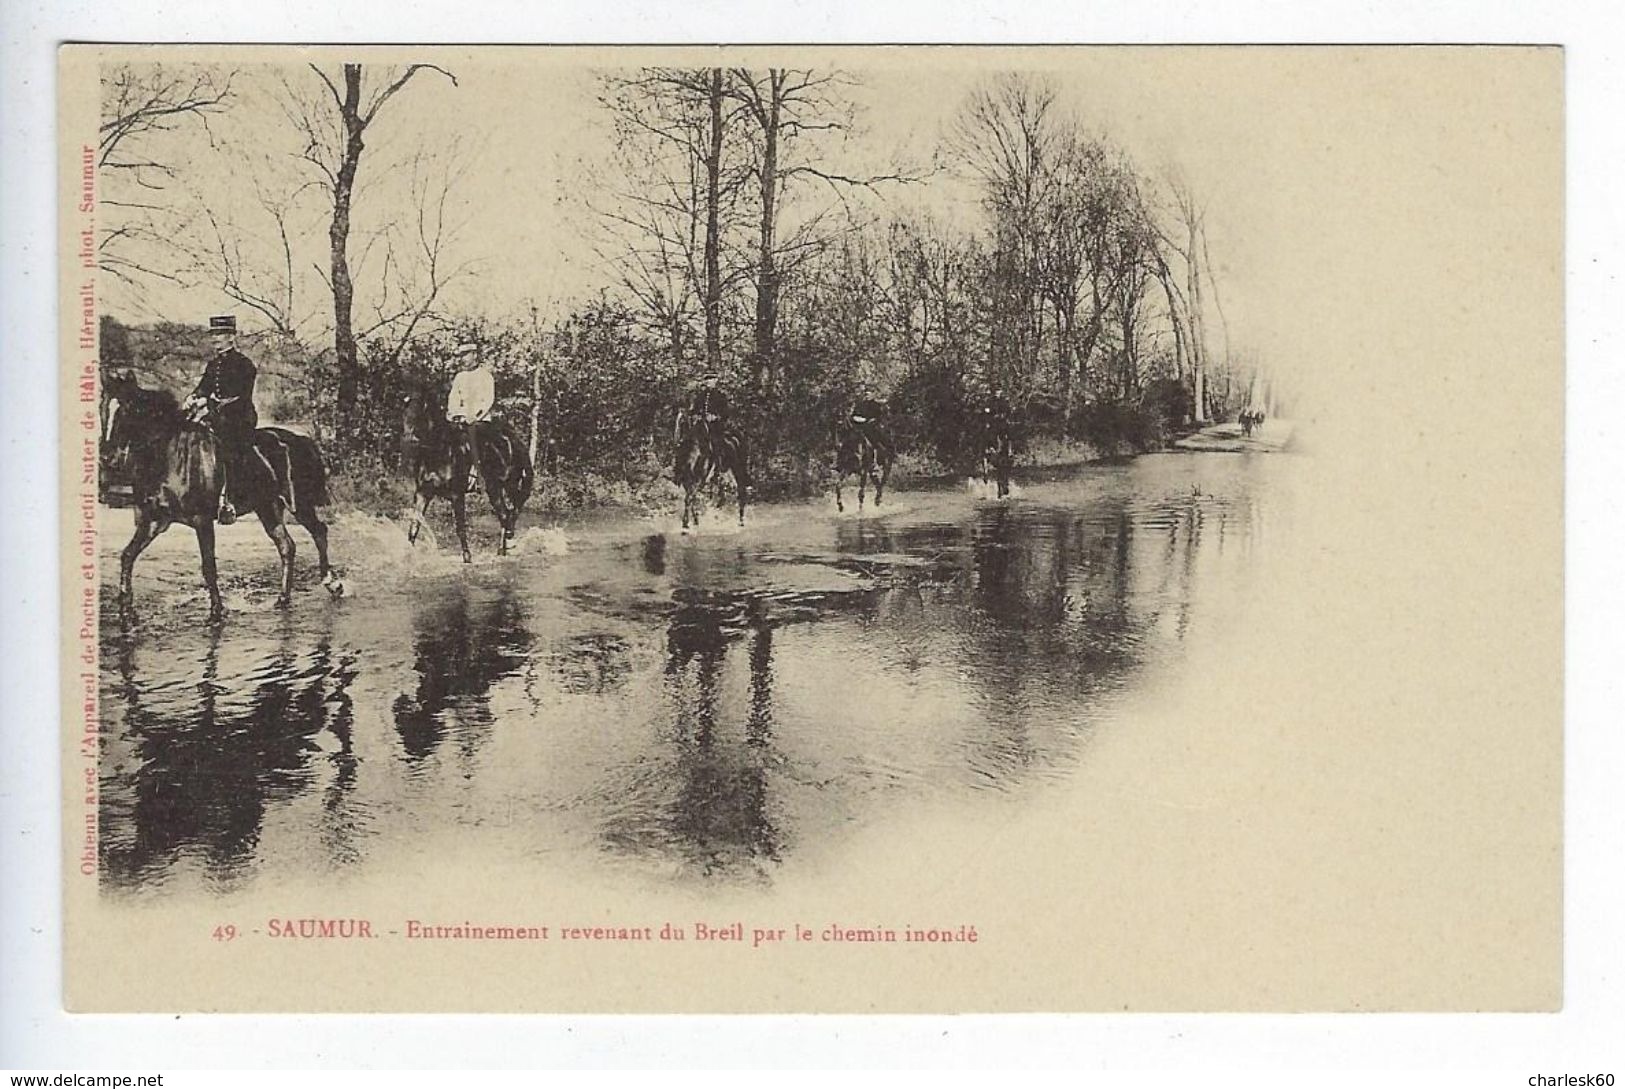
<point x="709" y="445"/>
<point x="207" y="760"/>
<point x="863" y="446"/>
<point x="177" y="469"/>
<point x="464" y="641"/>
<point x="442" y="462"/>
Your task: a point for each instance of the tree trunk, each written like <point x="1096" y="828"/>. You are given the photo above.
<point x="1182" y="351"/>
<point x="535" y="394"/>
<point x="1086" y="344"/>
<point x="1064" y="318"/>
<point x="536" y="412"/>
<point x="1198" y="345"/>
<point x="1131" y="365"/>
<point x="338" y="236"/>
<point x="767" y="275"/>
<point x="713" y="229"/>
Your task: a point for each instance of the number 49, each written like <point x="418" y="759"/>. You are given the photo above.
<point x="225" y="932"/>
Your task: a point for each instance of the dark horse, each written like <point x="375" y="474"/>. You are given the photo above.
<point x="442" y="461"/>
<point x="176" y="469"/>
<point x="995" y="425"/>
<point x="863" y="446"/>
<point x="706" y="449"/>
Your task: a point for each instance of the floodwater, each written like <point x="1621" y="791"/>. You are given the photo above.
<point x="694" y="708"/>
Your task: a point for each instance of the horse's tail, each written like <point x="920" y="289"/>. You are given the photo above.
<point x="740" y="457"/>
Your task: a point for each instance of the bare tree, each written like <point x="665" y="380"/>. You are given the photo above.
<point x="417" y="263"/>
<point x="1007" y="135"/>
<point x="1188" y="242"/>
<point x="671" y="201"/>
<point x="1089" y="198"/>
<point x="789" y="110"/>
<point x="143" y="108"/>
<point x="334" y="130"/>
<point x="254" y="263"/>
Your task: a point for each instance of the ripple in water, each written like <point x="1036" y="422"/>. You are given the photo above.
<point x="690" y="708"/>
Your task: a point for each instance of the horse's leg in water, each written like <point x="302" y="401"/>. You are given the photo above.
<point x="839" y="477"/>
<point x="692" y="479"/>
<point x="283" y="540"/>
<point x="865" y="456"/>
<point x="318" y="533"/>
<point x="459" y="513"/>
<point x="883" y="471"/>
<point x="419" y="516"/>
<point x="147" y="528"/>
<point x="211" y="574"/>
<point x="497" y="490"/>
<point x="741" y="478"/>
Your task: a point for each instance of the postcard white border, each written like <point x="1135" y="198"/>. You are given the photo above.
<point x="35" y="1033"/>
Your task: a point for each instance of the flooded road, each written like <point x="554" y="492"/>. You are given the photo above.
<point x="722" y="706"/>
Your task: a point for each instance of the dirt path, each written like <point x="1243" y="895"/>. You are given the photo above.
<point x="1228" y="438"/>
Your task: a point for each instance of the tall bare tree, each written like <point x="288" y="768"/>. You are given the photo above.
<point x="1089" y="198"/>
<point x="672" y="198"/>
<point x="1184" y="236"/>
<point x="793" y="114"/>
<point x="1006" y="134"/>
<point x="334" y="129"/>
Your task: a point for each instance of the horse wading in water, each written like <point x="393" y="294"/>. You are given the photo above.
<point x="177" y="469"/>
<point x="996" y="442"/>
<point x="709" y="445"/>
<point x="443" y="458"/>
<point x="863" y="446"/>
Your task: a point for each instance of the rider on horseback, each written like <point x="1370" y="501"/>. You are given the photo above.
<point x="224" y="402"/>
<point x="867" y="417"/>
<point x="708" y="410"/>
<point x="473" y="393"/>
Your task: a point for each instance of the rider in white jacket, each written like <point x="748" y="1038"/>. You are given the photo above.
<point x="473" y="393"/>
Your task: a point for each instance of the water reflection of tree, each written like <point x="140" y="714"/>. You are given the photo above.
<point x="199" y="774"/>
<point x="719" y="816"/>
<point x="1053" y="622"/>
<point x="465" y="639"/>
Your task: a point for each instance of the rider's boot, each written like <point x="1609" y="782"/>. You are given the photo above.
<point x="228" y="513"/>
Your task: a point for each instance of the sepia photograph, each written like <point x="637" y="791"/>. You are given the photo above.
<point x="815" y="529"/>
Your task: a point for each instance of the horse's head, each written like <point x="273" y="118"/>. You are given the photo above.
<point x="118" y="390"/>
<point x="437" y="452"/>
<point x="133" y="417"/>
<point x="423" y="414"/>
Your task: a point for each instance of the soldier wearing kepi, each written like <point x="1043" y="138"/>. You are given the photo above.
<point x="225" y="399"/>
<point x="473" y="393"/>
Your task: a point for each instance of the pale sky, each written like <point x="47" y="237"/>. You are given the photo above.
<point x="1339" y="183"/>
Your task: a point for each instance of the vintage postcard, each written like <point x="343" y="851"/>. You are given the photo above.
<point x="812" y="529"/>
